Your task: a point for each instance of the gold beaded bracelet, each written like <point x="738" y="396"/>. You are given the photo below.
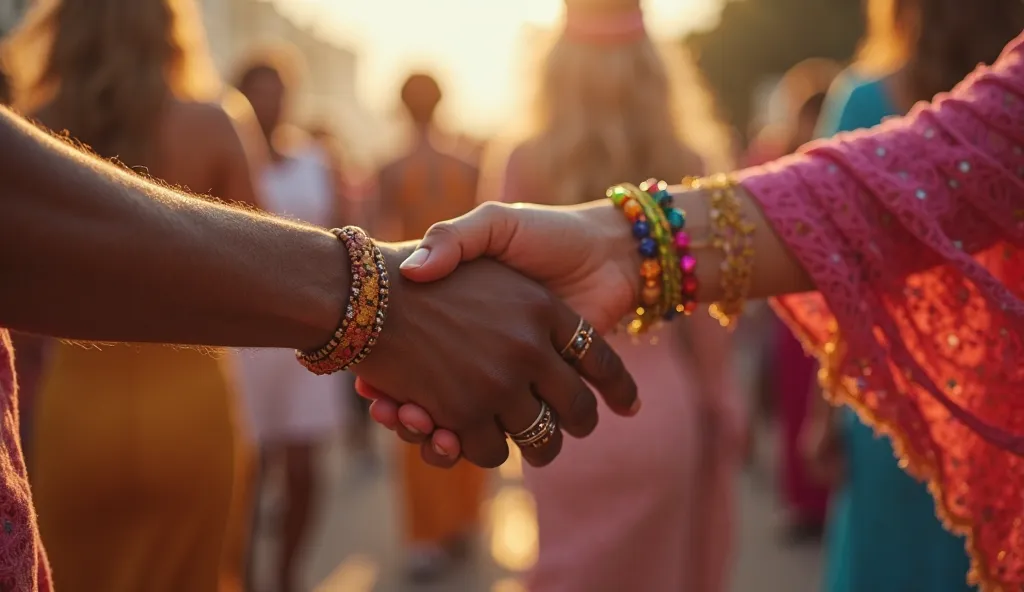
<point x="734" y="236"/>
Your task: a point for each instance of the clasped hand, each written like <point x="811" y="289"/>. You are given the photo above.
<point x="467" y="359"/>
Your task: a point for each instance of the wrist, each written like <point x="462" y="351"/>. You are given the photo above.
<point x="613" y="234"/>
<point x="320" y="304"/>
<point x="696" y="204"/>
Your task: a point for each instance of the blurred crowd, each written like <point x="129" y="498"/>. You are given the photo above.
<point x="148" y="463"/>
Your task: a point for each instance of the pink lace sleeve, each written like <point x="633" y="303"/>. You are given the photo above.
<point x="911" y="232"/>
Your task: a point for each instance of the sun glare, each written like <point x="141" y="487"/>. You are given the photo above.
<point x="475" y="47"/>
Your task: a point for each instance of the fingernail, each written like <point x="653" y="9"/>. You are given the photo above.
<point x="440" y="449"/>
<point x="417" y="259"/>
<point x="412" y="430"/>
<point x="635" y="408"/>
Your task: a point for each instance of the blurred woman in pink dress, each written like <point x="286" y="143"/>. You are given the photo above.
<point x="645" y="503"/>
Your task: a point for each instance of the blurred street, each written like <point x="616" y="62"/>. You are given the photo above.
<point x="355" y="547"/>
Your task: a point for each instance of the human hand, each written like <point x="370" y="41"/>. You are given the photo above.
<point x="480" y="349"/>
<point x="584" y="254"/>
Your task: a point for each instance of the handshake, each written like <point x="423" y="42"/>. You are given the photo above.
<point x="494" y="323"/>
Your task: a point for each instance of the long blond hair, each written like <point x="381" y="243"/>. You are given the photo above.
<point x="611" y="113"/>
<point x="104" y="70"/>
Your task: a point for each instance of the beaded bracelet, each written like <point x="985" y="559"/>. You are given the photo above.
<point x="659" y="299"/>
<point x="668" y="284"/>
<point x="687" y="262"/>
<point x="630" y="201"/>
<point x="365" y="311"/>
<point x="734" y="235"/>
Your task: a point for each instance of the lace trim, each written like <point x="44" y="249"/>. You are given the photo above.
<point x="840" y="390"/>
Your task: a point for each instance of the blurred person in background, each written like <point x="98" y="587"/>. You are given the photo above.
<point x="125" y="502"/>
<point x="794" y="381"/>
<point x="884" y="535"/>
<point x="645" y="503"/>
<point x="426" y="185"/>
<point x="789" y="371"/>
<point x="293" y="413"/>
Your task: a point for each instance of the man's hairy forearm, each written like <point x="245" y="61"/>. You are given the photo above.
<point x="88" y="251"/>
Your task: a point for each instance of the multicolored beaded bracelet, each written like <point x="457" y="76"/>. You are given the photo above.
<point x="365" y="311"/>
<point x="668" y="284"/>
<point x="646" y="231"/>
<point x="687" y="262"/>
<point x="671" y="278"/>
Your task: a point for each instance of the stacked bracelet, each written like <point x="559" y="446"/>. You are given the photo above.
<point x="365" y="310"/>
<point x="667" y="282"/>
<point x="685" y="259"/>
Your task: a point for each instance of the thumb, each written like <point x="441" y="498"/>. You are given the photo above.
<point x="485" y="231"/>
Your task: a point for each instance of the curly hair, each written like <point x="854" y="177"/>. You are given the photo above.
<point x="104" y="70"/>
<point x="937" y="42"/>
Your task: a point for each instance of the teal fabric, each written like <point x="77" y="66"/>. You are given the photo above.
<point x="883" y="535"/>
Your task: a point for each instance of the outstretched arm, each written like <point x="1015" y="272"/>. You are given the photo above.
<point x="91" y="252"/>
<point x="98" y="253"/>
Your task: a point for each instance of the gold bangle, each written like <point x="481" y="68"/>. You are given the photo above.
<point x="734" y="236"/>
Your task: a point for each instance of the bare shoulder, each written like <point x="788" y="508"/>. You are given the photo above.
<point x="205" y="122"/>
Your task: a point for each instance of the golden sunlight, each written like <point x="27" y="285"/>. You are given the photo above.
<point x="475" y="47"/>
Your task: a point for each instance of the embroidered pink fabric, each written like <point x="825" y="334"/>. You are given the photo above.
<point x="23" y="566"/>
<point x="912" y="232"/>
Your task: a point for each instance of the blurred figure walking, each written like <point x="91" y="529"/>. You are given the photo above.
<point x="293" y="412"/>
<point x="426" y="185"/>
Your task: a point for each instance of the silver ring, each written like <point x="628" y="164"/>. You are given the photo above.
<point x="580" y="343"/>
<point x="540" y="431"/>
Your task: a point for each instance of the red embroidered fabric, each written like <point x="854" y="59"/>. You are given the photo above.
<point x="913" y="232"/>
<point x="23" y="566"/>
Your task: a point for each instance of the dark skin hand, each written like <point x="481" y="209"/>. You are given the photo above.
<point x="91" y="252"/>
<point x="485" y="311"/>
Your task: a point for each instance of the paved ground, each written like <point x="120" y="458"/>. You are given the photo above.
<point x="355" y="548"/>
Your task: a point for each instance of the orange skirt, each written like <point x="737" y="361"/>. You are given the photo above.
<point x="440" y="504"/>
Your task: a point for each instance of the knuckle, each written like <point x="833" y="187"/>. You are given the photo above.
<point x="446" y="228"/>
<point x="489" y="210"/>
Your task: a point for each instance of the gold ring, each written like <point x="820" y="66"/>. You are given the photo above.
<point x="580" y="343"/>
<point x="540" y="431"/>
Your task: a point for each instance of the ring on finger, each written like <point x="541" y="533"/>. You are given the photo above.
<point x="540" y="431"/>
<point x="580" y="343"/>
